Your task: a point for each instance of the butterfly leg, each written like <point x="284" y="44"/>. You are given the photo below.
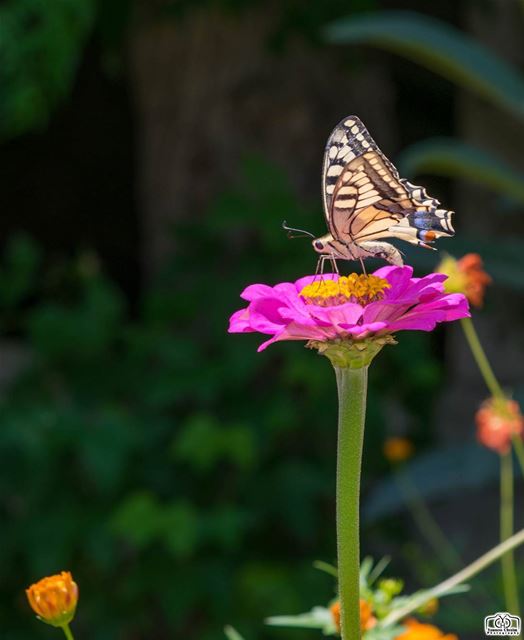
<point x="382" y="250"/>
<point x="363" y="266"/>
<point x="334" y="264"/>
<point x="319" y="271"/>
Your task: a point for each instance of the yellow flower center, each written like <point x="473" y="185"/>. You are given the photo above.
<point x="362" y="289"/>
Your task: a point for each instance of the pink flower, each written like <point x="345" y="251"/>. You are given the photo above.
<point x="332" y="307"/>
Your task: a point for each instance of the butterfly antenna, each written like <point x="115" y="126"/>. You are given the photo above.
<point x="291" y="231"/>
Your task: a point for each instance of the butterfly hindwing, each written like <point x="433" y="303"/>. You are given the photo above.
<point x="364" y="197"/>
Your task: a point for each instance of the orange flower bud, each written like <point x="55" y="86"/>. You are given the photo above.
<point x="418" y="631"/>
<point x="466" y="276"/>
<point x="54" y="599"/>
<point x="367" y="619"/>
<point x="398" y="449"/>
<point x="498" y="420"/>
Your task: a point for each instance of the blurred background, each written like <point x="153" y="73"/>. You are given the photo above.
<point x="150" y="151"/>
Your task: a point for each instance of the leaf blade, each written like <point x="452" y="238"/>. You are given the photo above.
<point x="439" y="47"/>
<point x="449" y="157"/>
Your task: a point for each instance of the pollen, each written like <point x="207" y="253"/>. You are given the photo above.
<point x="361" y="289"/>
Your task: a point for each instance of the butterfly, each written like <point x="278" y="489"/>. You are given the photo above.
<point x="365" y="200"/>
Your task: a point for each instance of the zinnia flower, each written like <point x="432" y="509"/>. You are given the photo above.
<point x="367" y="619"/>
<point x="348" y="318"/>
<point x="54" y="599"/>
<point x="498" y="420"/>
<point x="466" y="276"/>
<point x="398" y="449"/>
<point x="415" y="630"/>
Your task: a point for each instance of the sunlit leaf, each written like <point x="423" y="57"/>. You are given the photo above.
<point x="449" y="157"/>
<point x="441" y="48"/>
<point x="317" y="618"/>
<point x="232" y="634"/>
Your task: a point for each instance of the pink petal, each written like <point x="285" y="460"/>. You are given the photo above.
<point x="300" y="332"/>
<point x="265" y="315"/>
<point x="256" y="291"/>
<point x="239" y="322"/>
<point x="347" y="314"/>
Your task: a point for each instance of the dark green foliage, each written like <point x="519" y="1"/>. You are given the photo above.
<point x="40" y="46"/>
<point x="186" y="480"/>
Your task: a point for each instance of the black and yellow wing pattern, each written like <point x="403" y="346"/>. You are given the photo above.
<point x="365" y="198"/>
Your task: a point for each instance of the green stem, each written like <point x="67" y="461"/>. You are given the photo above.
<point x="352" y="388"/>
<point x="67" y="632"/>
<point x="427" y="524"/>
<point x="509" y="577"/>
<point x="480" y="358"/>
<point x="462" y="576"/>
<point x="518" y="446"/>
<point x="489" y="377"/>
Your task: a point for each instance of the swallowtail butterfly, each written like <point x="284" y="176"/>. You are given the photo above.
<point x="365" y="200"/>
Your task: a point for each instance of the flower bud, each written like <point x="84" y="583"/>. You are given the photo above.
<point x="391" y="587"/>
<point x="54" y="599"/>
<point x="498" y="421"/>
<point x="398" y="449"/>
<point x="465" y="276"/>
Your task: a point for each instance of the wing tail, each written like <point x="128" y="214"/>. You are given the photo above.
<point x="423" y="226"/>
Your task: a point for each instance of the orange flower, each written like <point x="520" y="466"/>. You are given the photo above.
<point x="367" y="619"/>
<point x="398" y="449"/>
<point x="415" y="630"/>
<point x="498" y="420"/>
<point x="466" y="276"/>
<point x="54" y="599"/>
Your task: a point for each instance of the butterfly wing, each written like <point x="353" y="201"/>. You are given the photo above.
<point x="364" y="197"/>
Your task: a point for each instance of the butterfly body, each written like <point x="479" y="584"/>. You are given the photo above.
<point x="366" y="201"/>
<point x="337" y="250"/>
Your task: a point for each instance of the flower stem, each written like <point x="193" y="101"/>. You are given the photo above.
<point x="480" y="358"/>
<point x="67" y="632"/>
<point x="427" y="524"/>
<point x="509" y="577"/>
<point x="352" y="388"/>
<point x="518" y="447"/>
<point x="462" y="576"/>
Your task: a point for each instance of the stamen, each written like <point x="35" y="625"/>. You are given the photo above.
<point x="361" y="289"/>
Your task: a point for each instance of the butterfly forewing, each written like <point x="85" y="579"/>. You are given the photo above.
<point x="349" y="140"/>
<point x="364" y="198"/>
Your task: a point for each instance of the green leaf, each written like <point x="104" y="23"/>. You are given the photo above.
<point x="384" y="634"/>
<point x="441" y="472"/>
<point x="138" y="519"/>
<point x="317" y="618"/>
<point x="439" y="47"/>
<point x="40" y="46"/>
<point x="232" y="634"/>
<point x="449" y="157"/>
<point x="326" y="568"/>
<point x="203" y="442"/>
<point x="180" y="529"/>
<point x="19" y="271"/>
